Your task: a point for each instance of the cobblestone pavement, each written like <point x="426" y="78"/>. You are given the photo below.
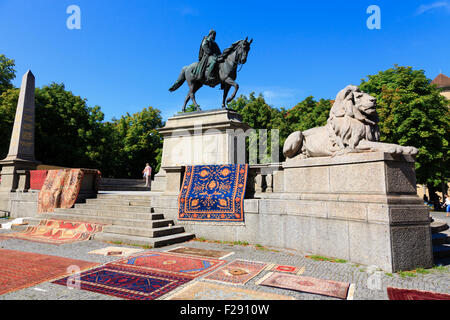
<point x="436" y="279"/>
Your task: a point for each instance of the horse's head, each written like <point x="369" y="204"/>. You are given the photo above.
<point x="243" y="50"/>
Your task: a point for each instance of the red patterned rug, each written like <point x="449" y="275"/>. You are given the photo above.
<point x="179" y="265"/>
<point x="60" y="189"/>
<point x="128" y="283"/>
<point x="58" y="232"/>
<point x="238" y="272"/>
<point x="406" y="294"/>
<point x="19" y="270"/>
<point x="287" y="269"/>
<point x="306" y="284"/>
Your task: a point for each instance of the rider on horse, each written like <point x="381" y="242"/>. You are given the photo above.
<point x="209" y="55"/>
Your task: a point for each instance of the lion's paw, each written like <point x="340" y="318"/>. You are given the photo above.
<point x="410" y="150"/>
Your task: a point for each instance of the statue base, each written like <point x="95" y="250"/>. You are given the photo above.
<point x="200" y="138"/>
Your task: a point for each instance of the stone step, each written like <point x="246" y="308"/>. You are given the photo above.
<point x="441" y="251"/>
<point x="111" y="221"/>
<point x="440" y="238"/>
<point x="123" y="188"/>
<point x="144" y="241"/>
<point x="439" y="226"/>
<point x="85" y="206"/>
<point x="119" y="202"/>
<point x="139" y="197"/>
<point x="113" y="214"/>
<point x="144" y="232"/>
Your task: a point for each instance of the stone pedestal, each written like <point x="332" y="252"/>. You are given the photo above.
<point x="205" y="137"/>
<point x="365" y="209"/>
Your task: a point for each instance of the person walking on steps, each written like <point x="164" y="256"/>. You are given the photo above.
<point x="147" y="175"/>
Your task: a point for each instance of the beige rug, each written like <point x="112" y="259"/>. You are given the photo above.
<point x="211" y="291"/>
<point x="201" y="252"/>
<point x="116" y="251"/>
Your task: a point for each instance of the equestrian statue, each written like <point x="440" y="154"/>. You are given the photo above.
<point x="214" y="68"/>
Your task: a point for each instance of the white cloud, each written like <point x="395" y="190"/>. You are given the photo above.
<point x="435" y="5"/>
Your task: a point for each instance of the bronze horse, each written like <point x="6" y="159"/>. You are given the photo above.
<point x="225" y="73"/>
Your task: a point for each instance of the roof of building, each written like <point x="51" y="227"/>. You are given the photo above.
<point x="442" y="81"/>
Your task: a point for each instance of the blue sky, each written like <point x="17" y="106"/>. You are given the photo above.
<point x="128" y="53"/>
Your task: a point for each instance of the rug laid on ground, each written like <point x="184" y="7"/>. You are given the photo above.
<point x="58" y="232"/>
<point x="407" y="294"/>
<point x="179" y="265"/>
<point x="60" y="189"/>
<point x="201" y="252"/>
<point x="116" y="251"/>
<point x="287" y="269"/>
<point x="21" y="270"/>
<point x="238" y="272"/>
<point x="213" y="193"/>
<point x="211" y="291"/>
<point x="128" y="283"/>
<point x="305" y="284"/>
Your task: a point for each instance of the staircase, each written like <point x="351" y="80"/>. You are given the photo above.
<point x="130" y="219"/>
<point x="107" y="184"/>
<point x="441" y="239"/>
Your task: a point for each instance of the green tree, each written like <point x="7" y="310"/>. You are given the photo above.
<point x="413" y="112"/>
<point x="258" y="115"/>
<point x="7" y="73"/>
<point x="136" y="142"/>
<point x="68" y="132"/>
<point x="8" y="105"/>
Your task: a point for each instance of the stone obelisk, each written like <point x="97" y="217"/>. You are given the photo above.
<point x="21" y="150"/>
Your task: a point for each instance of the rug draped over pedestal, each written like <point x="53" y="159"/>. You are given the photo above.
<point x="213" y="193"/>
<point x="37" y="179"/>
<point x="60" y="189"/>
<point x="58" y="232"/>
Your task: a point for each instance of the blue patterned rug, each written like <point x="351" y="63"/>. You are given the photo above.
<point x="213" y="193"/>
<point x="127" y="283"/>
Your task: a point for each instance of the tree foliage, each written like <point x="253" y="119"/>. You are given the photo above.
<point x="7" y="73"/>
<point x="136" y="141"/>
<point x="413" y="112"/>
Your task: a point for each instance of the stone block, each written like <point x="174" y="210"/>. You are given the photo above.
<point x="411" y="247"/>
<point x="330" y="238"/>
<point x="370" y="244"/>
<point x="307" y="208"/>
<point x="306" y="179"/>
<point x="358" y="178"/>
<point x="378" y="213"/>
<point x="299" y="234"/>
<point x="401" y="177"/>
<point x="409" y="214"/>
<point x="347" y="211"/>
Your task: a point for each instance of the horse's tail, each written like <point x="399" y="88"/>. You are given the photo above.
<point x="180" y="81"/>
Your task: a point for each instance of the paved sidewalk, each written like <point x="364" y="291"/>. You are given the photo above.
<point x="437" y="279"/>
